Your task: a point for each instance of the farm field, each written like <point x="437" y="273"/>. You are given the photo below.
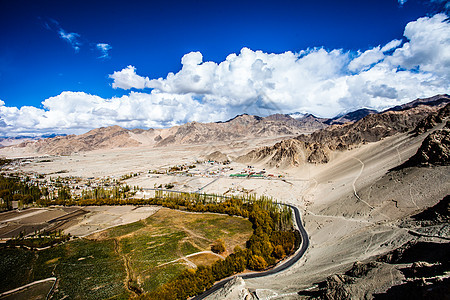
<point x="128" y="259"/>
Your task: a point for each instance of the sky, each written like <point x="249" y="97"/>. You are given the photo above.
<point x="70" y="66"/>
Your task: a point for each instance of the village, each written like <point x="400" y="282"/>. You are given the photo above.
<point x="62" y="185"/>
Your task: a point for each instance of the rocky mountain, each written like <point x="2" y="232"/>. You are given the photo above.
<point x="4" y="142"/>
<point x="290" y="152"/>
<point x="241" y="127"/>
<point x="100" y="138"/>
<point x="317" y="147"/>
<point x="435" y="149"/>
<point x="217" y="156"/>
<point x="351" y="116"/>
<point x="432" y="120"/>
<point x="431" y="101"/>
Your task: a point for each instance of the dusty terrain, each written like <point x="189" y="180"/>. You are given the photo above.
<point x="352" y="211"/>
<point x="76" y="221"/>
<point x="99" y="218"/>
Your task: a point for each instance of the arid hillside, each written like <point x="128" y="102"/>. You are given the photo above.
<point x="319" y="146"/>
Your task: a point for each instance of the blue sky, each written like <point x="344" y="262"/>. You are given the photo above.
<point x="70" y="66"/>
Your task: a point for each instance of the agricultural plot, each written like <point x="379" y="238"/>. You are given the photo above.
<point x="157" y="249"/>
<point x="36" y="291"/>
<point x="128" y="259"/>
<point x="85" y="269"/>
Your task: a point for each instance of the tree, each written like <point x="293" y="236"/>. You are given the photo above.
<point x="278" y="252"/>
<point x="218" y="246"/>
<point x="257" y="262"/>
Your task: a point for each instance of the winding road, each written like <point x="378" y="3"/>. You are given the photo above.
<point x="281" y="267"/>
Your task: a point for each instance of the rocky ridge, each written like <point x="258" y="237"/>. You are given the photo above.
<point x="217" y="156"/>
<point x="435" y="149"/>
<point x="432" y="120"/>
<point x="242" y="127"/>
<point x="318" y="146"/>
<point x="315" y="147"/>
<point x="351" y="116"/>
<point x="239" y="128"/>
<point x="101" y="138"/>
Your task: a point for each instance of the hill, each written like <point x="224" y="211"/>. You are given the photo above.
<point x="319" y="146"/>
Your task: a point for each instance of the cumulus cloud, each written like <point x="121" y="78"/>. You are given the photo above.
<point x="127" y="79"/>
<point x="78" y="112"/>
<point x="318" y="81"/>
<point x="428" y="47"/>
<point x="369" y="58"/>
<point x="104" y="50"/>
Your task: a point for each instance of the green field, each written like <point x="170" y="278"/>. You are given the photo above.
<point x="124" y="260"/>
<point x="85" y="269"/>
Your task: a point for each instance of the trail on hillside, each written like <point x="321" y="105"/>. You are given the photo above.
<point x="129" y="279"/>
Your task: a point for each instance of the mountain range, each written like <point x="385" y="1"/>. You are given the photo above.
<point x="318" y="146"/>
<point x="311" y="136"/>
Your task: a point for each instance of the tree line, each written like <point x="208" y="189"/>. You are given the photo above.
<point x="273" y="238"/>
<point x="13" y="189"/>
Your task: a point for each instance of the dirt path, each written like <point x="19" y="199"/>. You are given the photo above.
<point x="129" y="279"/>
<point x="354" y="181"/>
<point x="186" y="258"/>
<point x="309" y="212"/>
<point x="356" y="194"/>
<point x="191" y="233"/>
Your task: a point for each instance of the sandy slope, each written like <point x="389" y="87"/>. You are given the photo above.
<point x="345" y="228"/>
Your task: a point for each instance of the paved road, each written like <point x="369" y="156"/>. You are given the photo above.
<point x="200" y="189"/>
<point x="292" y="260"/>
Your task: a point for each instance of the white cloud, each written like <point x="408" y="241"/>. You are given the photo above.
<point x="317" y="81"/>
<point x="104" y="49"/>
<point x="401" y="2"/>
<point x="367" y="59"/>
<point x="428" y="49"/>
<point x="74" y="39"/>
<point x="78" y="112"/>
<point x="391" y="45"/>
<point x="127" y="79"/>
<point x="70" y="37"/>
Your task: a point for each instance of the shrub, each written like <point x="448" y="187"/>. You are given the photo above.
<point x="278" y="252"/>
<point x="218" y="246"/>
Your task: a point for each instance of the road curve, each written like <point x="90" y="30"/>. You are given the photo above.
<point x="292" y="260"/>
